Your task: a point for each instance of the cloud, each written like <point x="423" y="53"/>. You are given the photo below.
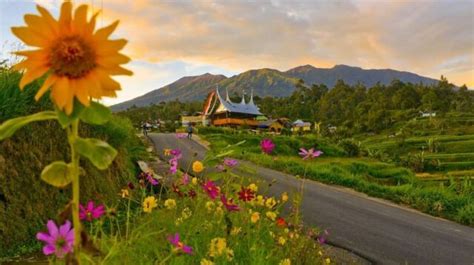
<point x="418" y="36"/>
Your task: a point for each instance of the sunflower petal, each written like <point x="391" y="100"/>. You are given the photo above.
<point x="110" y="46"/>
<point x="112" y="60"/>
<point x="48" y="18"/>
<point x="61" y="92"/>
<point x="95" y="89"/>
<point x="89" y="28"/>
<point x="118" y="70"/>
<point x="46" y="85"/>
<point x="65" y="16"/>
<point x="80" y="18"/>
<point x="40" y="26"/>
<point x="105" y="32"/>
<point x="81" y="92"/>
<point x="31" y="75"/>
<point x="34" y="55"/>
<point x="29" y="37"/>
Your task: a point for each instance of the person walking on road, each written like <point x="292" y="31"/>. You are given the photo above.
<point x="190" y="131"/>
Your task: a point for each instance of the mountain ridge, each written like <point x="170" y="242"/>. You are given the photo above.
<point x="269" y="82"/>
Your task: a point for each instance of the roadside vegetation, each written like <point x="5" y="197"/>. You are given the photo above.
<point x="453" y="199"/>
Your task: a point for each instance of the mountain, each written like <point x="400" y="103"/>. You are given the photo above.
<point x="269" y="82"/>
<point x="187" y="88"/>
<point x="352" y="75"/>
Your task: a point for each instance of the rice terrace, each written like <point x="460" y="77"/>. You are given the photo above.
<point x="237" y="132"/>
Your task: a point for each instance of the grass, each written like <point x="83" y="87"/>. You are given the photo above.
<point x="378" y="179"/>
<point x="199" y="220"/>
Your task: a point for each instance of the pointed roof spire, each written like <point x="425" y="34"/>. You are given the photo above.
<point x="251" y="97"/>
<point x="243" y="98"/>
<point x="227" y="95"/>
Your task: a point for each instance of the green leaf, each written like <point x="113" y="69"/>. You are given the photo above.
<point x="58" y="174"/>
<point x="100" y="153"/>
<point x="64" y="119"/>
<point x="96" y="113"/>
<point x="8" y="128"/>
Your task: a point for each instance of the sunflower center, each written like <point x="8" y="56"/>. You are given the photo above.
<point x="72" y="57"/>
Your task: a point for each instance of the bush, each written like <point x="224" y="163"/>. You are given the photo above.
<point x="25" y="200"/>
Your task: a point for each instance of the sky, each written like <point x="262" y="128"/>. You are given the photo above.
<point x="172" y="39"/>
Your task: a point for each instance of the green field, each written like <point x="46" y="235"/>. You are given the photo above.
<point x="452" y="198"/>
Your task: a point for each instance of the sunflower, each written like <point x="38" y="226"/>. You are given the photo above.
<point x="78" y="62"/>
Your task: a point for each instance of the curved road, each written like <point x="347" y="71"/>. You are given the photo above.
<point x="382" y="232"/>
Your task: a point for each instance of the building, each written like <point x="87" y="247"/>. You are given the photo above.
<point x="273" y="125"/>
<point x="223" y="112"/>
<point x="299" y="125"/>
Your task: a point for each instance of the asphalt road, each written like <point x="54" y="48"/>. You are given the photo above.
<point x="382" y="232"/>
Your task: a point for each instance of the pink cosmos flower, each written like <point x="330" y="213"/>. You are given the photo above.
<point x="185" y="179"/>
<point x="149" y="177"/>
<point x="59" y="241"/>
<point x="311" y="153"/>
<point x="181" y="135"/>
<point x="173" y="165"/>
<point x="211" y="189"/>
<point x="230" y="162"/>
<point x="176" y="153"/>
<point x="229" y="204"/>
<point x="267" y="146"/>
<point x="90" y="212"/>
<point x="322" y="238"/>
<point x="174" y="240"/>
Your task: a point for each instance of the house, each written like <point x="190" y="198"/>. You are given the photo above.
<point x="194" y="120"/>
<point x="223" y="112"/>
<point x="273" y="125"/>
<point x="300" y="125"/>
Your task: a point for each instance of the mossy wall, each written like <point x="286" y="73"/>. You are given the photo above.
<point x="27" y="202"/>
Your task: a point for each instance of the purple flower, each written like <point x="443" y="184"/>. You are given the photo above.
<point x="59" y="241"/>
<point x="311" y="153"/>
<point x="149" y="177"/>
<point x="174" y="240"/>
<point x="211" y="189"/>
<point x="323" y="237"/>
<point x="176" y="153"/>
<point x="181" y="135"/>
<point x="229" y="204"/>
<point x="230" y="162"/>
<point x="267" y="146"/>
<point x="185" y="179"/>
<point x="173" y="165"/>
<point x="90" y="212"/>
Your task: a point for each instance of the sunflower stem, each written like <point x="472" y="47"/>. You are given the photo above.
<point x="73" y="134"/>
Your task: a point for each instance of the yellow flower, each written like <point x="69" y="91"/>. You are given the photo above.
<point x="253" y="187"/>
<point x="285" y="262"/>
<point x="230" y="254"/>
<point x="210" y="206"/>
<point x="170" y="204"/>
<point x="270" y="202"/>
<point x="198" y="166"/>
<point x="235" y="230"/>
<point x="328" y="261"/>
<point x="260" y="200"/>
<point x="255" y="217"/>
<point x="124" y="193"/>
<point x="219" y="210"/>
<point x="167" y="152"/>
<point x="186" y="213"/>
<point x="206" y="262"/>
<point x="77" y="60"/>
<point x="284" y="197"/>
<point x="217" y="247"/>
<point x="320" y="253"/>
<point x="271" y="215"/>
<point x="194" y="181"/>
<point x="281" y="240"/>
<point x="149" y="203"/>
